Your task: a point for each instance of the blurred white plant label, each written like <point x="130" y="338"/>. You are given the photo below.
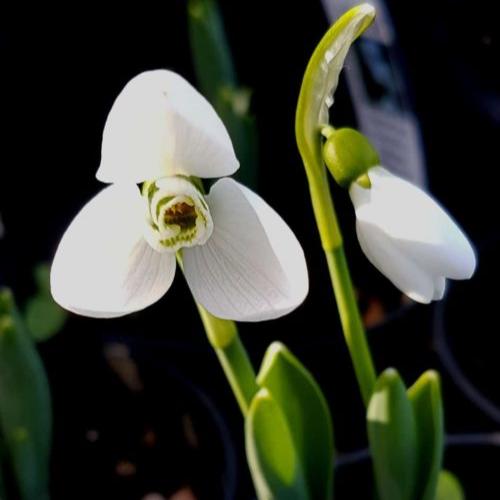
<point x="380" y="99"/>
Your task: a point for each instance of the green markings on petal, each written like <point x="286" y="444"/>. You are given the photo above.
<point x="149" y="188"/>
<point x="184" y="238"/>
<point x="162" y="203"/>
<point x="178" y="216"/>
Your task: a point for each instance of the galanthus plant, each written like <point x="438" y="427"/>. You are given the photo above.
<point x="240" y="259"/>
<point x="242" y="262"/>
<point x="409" y="237"/>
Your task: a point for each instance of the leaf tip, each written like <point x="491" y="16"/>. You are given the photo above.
<point x="275" y="350"/>
<point x="367" y="9"/>
<point x="389" y="377"/>
<point x="6" y="301"/>
<point x="390" y="373"/>
<point x="263" y="395"/>
<point x="431" y="376"/>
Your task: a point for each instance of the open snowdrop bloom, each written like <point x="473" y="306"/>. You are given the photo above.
<point x="409" y="237"/>
<point x="241" y="260"/>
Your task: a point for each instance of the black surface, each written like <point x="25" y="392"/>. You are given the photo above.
<point x="60" y="75"/>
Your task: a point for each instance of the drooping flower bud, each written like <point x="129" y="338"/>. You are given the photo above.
<point x="348" y="154"/>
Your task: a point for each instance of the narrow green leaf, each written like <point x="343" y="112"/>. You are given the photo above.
<point x="425" y="396"/>
<point x="392" y="436"/>
<point x="211" y="53"/>
<point x="3" y="495"/>
<point x="273" y="460"/>
<point x="44" y="318"/>
<point x="42" y="277"/>
<point x="217" y="79"/>
<point x="321" y="80"/>
<point x="448" y="487"/>
<point x="3" y="459"/>
<point x="25" y="409"/>
<point x="306" y="413"/>
<point x="233" y="108"/>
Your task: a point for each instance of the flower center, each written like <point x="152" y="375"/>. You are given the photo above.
<point x="183" y="214"/>
<point x="177" y="216"/>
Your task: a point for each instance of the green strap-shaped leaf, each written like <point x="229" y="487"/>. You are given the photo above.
<point x="3" y="496"/>
<point x="448" y="487"/>
<point x="25" y="409"/>
<point x="425" y="396"/>
<point x="306" y="414"/>
<point x="211" y="53"/>
<point x="321" y="80"/>
<point x="392" y="436"/>
<point x="41" y="273"/>
<point x="44" y="318"/>
<point x="218" y="82"/>
<point x="273" y="460"/>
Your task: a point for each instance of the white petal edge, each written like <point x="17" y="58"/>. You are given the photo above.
<point x="439" y="288"/>
<point x="103" y="267"/>
<point x="420" y="227"/>
<point x="402" y="271"/>
<point x="253" y="267"/>
<point x="160" y="125"/>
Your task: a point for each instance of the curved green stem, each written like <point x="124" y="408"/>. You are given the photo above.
<point x="223" y="336"/>
<point x="331" y="239"/>
<point x="318" y="86"/>
<point x="352" y="325"/>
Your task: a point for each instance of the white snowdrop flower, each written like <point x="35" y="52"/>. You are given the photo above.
<point x="241" y="260"/>
<point x="409" y="237"/>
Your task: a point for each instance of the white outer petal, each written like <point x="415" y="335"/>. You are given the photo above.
<point x="401" y="270"/>
<point x="416" y="223"/>
<point x="160" y="125"/>
<point x="439" y="288"/>
<point x="252" y="268"/>
<point x="103" y="267"/>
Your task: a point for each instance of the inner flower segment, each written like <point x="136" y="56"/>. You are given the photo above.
<point x="177" y="216"/>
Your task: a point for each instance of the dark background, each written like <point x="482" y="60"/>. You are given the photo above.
<point x="175" y="424"/>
